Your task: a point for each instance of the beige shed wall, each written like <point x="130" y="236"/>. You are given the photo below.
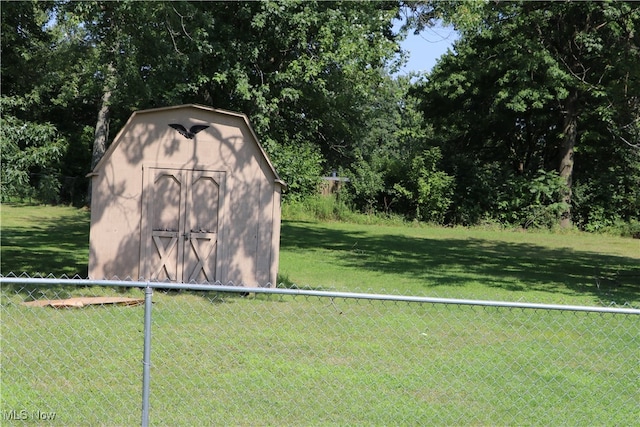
<point x="250" y="221"/>
<point x="115" y="221"/>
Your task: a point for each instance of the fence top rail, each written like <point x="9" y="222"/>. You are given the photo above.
<point x="219" y="287"/>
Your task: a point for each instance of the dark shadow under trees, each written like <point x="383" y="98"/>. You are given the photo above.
<point x="59" y="247"/>
<point x="449" y="262"/>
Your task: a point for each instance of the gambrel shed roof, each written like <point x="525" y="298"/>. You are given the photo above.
<point x="186" y="193"/>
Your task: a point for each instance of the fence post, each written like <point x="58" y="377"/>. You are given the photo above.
<point x="146" y="358"/>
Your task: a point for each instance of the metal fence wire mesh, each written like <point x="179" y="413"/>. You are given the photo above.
<point x="310" y="358"/>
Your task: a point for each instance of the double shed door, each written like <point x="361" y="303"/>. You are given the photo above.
<point x="183" y="222"/>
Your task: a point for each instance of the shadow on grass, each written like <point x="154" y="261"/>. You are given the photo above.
<point x="284" y="282"/>
<point x="56" y="246"/>
<point x="59" y="247"/>
<point x="499" y="264"/>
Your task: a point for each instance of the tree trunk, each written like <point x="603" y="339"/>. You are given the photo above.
<point x="565" y="168"/>
<point x="102" y="127"/>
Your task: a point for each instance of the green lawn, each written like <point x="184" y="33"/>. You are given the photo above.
<point x="474" y="263"/>
<point x="276" y="360"/>
<point x="312" y="361"/>
<point x="565" y="268"/>
<point x="44" y="240"/>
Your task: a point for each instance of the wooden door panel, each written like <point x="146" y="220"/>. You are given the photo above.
<point x="201" y="256"/>
<point x="183" y="210"/>
<point x="165" y="209"/>
<point x="201" y="250"/>
<point x="204" y="195"/>
<point x="167" y="201"/>
<point x="166" y="263"/>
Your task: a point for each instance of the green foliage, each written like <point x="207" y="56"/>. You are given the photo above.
<point x="424" y="189"/>
<point x="607" y="189"/>
<point x="334" y="208"/>
<point x="501" y="104"/>
<point x="367" y="184"/>
<point x="48" y="73"/>
<point x="532" y="202"/>
<point x="31" y="154"/>
<point x="299" y="166"/>
<point x="302" y="71"/>
<point x="315" y="80"/>
<point x="317" y="208"/>
<point x="628" y="229"/>
<point x="396" y="130"/>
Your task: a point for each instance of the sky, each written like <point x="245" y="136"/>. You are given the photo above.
<point x="425" y="48"/>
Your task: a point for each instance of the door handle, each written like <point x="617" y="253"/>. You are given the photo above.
<point x="186" y="235"/>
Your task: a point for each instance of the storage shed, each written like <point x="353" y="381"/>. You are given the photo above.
<point x="186" y="194"/>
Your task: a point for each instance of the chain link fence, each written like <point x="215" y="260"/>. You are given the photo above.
<point x="76" y="352"/>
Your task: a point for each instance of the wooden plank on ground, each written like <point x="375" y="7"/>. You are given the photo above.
<point x="79" y="302"/>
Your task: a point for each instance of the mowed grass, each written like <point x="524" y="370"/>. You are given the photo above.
<point x="220" y="360"/>
<point x="474" y="263"/>
<point x="43" y="240"/>
<point x="223" y="360"/>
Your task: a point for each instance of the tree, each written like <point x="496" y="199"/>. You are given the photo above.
<point x="426" y="189"/>
<point x="524" y="83"/>
<point x="31" y="154"/>
<point x="393" y="163"/>
<point x="121" y="58"/>
<point x="301" y="71"/>
<point x="31" y="145"/>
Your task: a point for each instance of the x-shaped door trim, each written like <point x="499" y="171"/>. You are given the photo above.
<point x="164" y="252"/>
<point x="195" y="240"/>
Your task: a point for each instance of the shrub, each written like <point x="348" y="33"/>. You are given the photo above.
<point x="426" y="190"/>
<point x="300" y="166"/>
<point x="532" y="202"/>
<point x="31" y="154"/>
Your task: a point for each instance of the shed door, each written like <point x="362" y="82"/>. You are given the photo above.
<point x="183" y="213"/>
